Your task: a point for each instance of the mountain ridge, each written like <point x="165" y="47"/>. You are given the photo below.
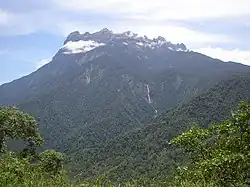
<point x="91" y="94"/>
<point x="109" y="37"/>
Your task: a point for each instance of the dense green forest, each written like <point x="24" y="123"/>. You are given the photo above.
<point x="218" y="155"/>
<point x="145" y="152"/>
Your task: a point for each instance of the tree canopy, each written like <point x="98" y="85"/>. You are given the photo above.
<point x="17" y="125"/>
<point x="219" y="153"/>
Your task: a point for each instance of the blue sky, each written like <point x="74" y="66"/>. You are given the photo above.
<point x="32" y="31"/>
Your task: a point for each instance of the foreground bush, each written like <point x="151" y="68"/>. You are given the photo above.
<point x="220" y="153"/>
<point x="19" y="172"/>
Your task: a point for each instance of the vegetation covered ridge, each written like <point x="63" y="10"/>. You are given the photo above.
<point x="217" y="156"/>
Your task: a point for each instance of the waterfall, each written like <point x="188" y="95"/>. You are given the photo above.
<point x="149" y="98"/>
<point x="88" y="79"/>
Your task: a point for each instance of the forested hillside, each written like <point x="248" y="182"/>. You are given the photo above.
<point x="215" y="156"/>
<point x="145" y="152"/>
<point x="113" y="84"/>
<point x="112" y="103"/>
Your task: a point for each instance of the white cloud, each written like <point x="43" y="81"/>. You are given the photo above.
<point x="162" y="9"/>
<point x="145" y="17"/>
<point x="31" y="22"/>
<point x="81" y="46"/>
<point x="235" y="55"/>
<point x="42" y="62"/>
<point x="5" y="17"/>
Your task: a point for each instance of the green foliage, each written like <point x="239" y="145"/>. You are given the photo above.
<point x="19" y="172"/>
<point x="51" y="161"/>
<point x="219" y="153"/>
<point x="193" y="140"/>
<point x="28" y="169"/>
<point x="17" y="125"/>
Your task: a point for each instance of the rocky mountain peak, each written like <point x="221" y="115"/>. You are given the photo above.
<point x="160" y="38"/>
<point x="128" y="38"/>
<point x="73" y="36"/>
<point x="130" y="34"/>
<point x="105" y="31"/>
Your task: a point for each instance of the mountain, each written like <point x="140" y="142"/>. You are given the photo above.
<point x="145" y="152"/>
<point x="102" y="86"/>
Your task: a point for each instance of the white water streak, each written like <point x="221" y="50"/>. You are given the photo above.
<point x="149" y="98"/>
<point x="88" y="79"/>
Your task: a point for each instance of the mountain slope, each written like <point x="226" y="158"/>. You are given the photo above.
<point x="101" y="86"/>
<point x="145" y="152"/>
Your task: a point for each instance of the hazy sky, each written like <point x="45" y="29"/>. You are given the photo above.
<point x="31" y="31"/>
